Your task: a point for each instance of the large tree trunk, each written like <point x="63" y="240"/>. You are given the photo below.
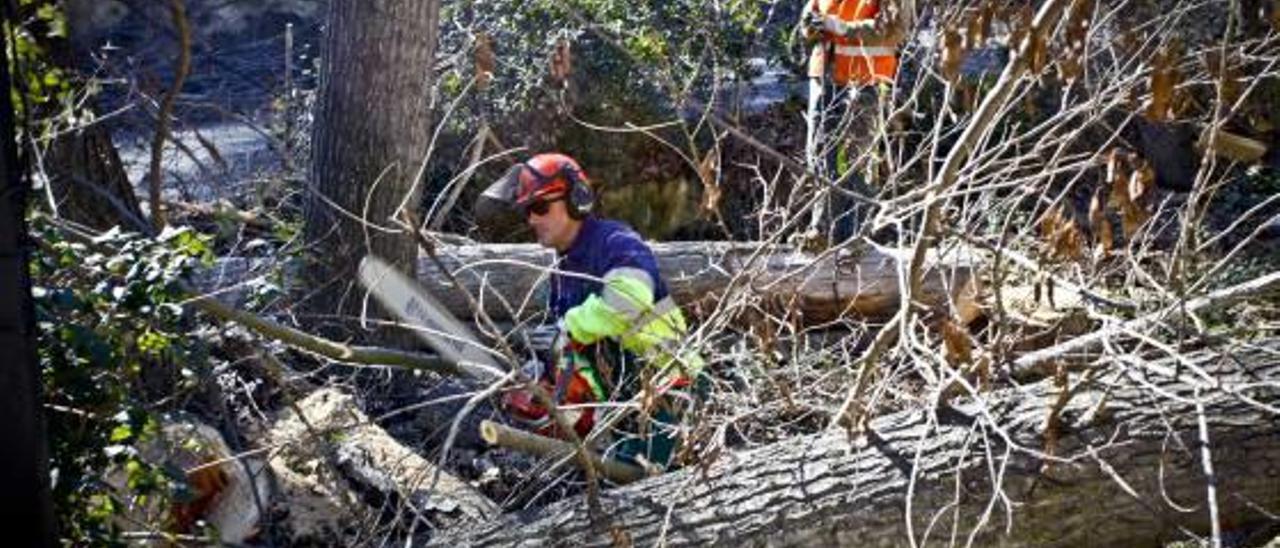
<point x="89" y="182"/>
<point x="24" y="466"/>
<point x="699" y="275"/>
<point x="371" y="135"/>
<point x="1139" y="424"/>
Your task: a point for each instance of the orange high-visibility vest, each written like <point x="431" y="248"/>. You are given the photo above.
<point x="853" y="61"/>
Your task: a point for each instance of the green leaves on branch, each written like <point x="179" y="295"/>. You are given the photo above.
<point x="105" y="324"/>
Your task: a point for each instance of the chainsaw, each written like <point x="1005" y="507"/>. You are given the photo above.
<point x="456" y="343"/>
<point x="431" y="321"/>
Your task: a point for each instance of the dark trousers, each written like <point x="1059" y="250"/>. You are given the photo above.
<point x="837" y="114"/>
<point x="654" y="435"/>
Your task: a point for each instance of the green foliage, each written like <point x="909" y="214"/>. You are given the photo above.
<point x="47" y="88"/>
<point x="104" y="321"/>
<point x="637" y="63"/>
<point x="635" y="55"/>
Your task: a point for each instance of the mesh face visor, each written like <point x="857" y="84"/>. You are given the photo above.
<point x="503" y="189"/>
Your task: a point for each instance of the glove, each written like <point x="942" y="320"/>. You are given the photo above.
<point x="534" y="369"/>
<point x="814" y="22"/>
<point x="564" y="348"/>
<point x="542" y="338"/>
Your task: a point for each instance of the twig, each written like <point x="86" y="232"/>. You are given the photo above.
<point x="1222" y="297"/>
<point x="983" y="118"/>
<point x="1211" y="481"/>
<point x="179" y="12"/>
<point x="359" y="355"/>
<point x="850" y="416"/>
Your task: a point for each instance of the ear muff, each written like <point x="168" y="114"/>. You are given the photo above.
<point x="581" y="198"/>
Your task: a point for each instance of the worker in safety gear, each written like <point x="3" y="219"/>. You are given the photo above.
<point x="618" y="330"/>
<point x="852" y="65"/>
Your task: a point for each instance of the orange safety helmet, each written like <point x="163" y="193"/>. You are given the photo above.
<point x="551" y="174"/>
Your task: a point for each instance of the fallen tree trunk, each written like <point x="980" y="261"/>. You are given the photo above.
<point x="1128" y="472"/>
<point x="859" y="284"/>
<point x="862" y="284"/>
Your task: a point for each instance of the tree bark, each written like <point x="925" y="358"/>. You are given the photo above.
<point x="371" y="135"/>
<point x="824" y="490"/>
<point x="89" y="183"/>
<point x="699" y="274"/>
<point x="24" y="464"/>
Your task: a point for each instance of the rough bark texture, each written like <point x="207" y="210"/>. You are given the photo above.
<point x="24" y="464"/>
<point x="698" y="274"/>
<point x="371" y="134"/>
<point x="823" y="490"/>
<point x="89" y="182"/>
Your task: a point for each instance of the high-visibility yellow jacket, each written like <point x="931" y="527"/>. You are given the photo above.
<point x="608" y="287"/>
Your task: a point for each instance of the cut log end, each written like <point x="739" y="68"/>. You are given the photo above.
<point x="489" y="432"/>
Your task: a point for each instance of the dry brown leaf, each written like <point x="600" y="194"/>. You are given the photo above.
<point x="708" y="169"/>
<point x="1022" y="27"/>
<point x="1053" y="422"/>
<point x="956" y="343"/>
<point x="1131" y="180"/>
<point x="1071" y="60"/>
<point x="1038" y="54"/>
<point x="891" y="19"/>
<point x="1234" y="147"/>
<point x="1275" y="15"/>
<point x="952" y="54"/>
<point x="1164" y="83"/>
<point x="1141" y="181"/>
<point x="207" y="484"/>
<point x="561" y="61"/>
<point x="974" y="35"/>
<point x="986" y="17"/>
<point x="1099" y="224"/>
<point x="1132" y="216"/>
<point x="1227" y="76"/>
<point x="1071" y="245"/>
<point x="1019" y="20"/>
<point x="620" y="537"/>
<point x="484" y="59"/>
<point x="1062" y="235"/>
<point x="1119" y="163"/>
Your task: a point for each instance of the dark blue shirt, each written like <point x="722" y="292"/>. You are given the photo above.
<point x="601" y="246"/>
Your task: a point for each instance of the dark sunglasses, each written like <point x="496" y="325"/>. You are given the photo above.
<point x="539" y="207"/>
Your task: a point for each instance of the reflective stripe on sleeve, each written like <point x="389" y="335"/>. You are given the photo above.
<point x="837" y="26"/>
<point x="865" y="51"/>
<point x="629" y="291"/>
